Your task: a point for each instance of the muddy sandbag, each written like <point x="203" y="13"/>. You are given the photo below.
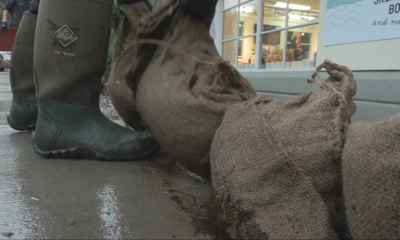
<point x="131" y="58"/>
<point x="116" y="81"/>
<point x="276" y="167"/>
<point x="371" y="179"/>
<point x="183" y="91"/>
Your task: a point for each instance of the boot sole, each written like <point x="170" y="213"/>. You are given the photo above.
<point x="87" y="153"/>
<point x="19" y="128"/>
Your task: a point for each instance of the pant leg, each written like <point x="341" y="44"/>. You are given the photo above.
<point x="203" y="10"/>
<point x="200" y="8"/>
<point x="34" y="6"/>
<point x="148" y="4"/>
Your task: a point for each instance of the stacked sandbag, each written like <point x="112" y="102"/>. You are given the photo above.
<point x="371" y="179"/>
<point x="184" y="88"/>
<point x="276" y="167"/>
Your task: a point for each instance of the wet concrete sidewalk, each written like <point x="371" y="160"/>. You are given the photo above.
<point x="89" y="199"/>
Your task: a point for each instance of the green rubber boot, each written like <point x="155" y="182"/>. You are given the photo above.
<point x="24" y="109"/>
<point x="70" y="58"/>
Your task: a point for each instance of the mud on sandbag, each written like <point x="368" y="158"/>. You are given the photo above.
<point x="179" y="84"/>
<point x="371" y="179"/>
<point x="276" y="167"/>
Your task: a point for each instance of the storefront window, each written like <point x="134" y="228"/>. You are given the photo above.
<point x="283" y="36"/>
<point x="230" y="3"/>
<point x="272" y="47"/>
<point x="248" y="18"/>
<point x="301" y="45"/>
<point x="302" y="12"/>
<point x="274" y="17"/>
<point x="247" y="53"/>
<point x="229" y="52"/>
<point x="230" y="23"/>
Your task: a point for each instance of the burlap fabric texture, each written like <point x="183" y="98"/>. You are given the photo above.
<point x="371" y="179"/>
<point x="124" y="59"/>
<point x="276" y="167"/>
<point x="181" y="87"/>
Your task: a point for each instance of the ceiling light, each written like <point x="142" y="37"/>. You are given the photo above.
<point x="246" y="9"/>
<point x="292" y="6"/>
<point x="299" y="17"/>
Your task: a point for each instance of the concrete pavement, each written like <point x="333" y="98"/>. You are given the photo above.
<point x="89" y="199"/>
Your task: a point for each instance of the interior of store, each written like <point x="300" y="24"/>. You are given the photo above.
<point x="301" y="42"/>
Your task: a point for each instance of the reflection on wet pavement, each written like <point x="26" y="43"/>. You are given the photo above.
<point x="75" y="199"/>
<point x="110" y="214"/>
<point x="89" y="199"/>
<point x="19" y="213"/>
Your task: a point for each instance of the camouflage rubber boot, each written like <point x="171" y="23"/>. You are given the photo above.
<point x="24" y="109"/>
<point x="70" y="58"/>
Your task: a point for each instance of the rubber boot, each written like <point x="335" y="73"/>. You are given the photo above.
<point x="24" y="108"/>
<point x="71" y="47"/>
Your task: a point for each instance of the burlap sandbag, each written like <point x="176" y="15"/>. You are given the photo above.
<point x="371" y="179"/>
<point x="122" y="96"/>
<point x="276" y="167"/>
<point x="184" y="88"/>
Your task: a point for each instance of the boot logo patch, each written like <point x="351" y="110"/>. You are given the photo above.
<point x="65" y="35"/>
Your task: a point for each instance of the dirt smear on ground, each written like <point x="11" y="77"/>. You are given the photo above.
<point x="205" y="213"/>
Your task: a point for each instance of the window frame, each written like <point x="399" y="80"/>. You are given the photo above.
<point x="260" y="15"/>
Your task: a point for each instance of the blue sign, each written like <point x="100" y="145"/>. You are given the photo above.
<point x="350" y="21"/>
